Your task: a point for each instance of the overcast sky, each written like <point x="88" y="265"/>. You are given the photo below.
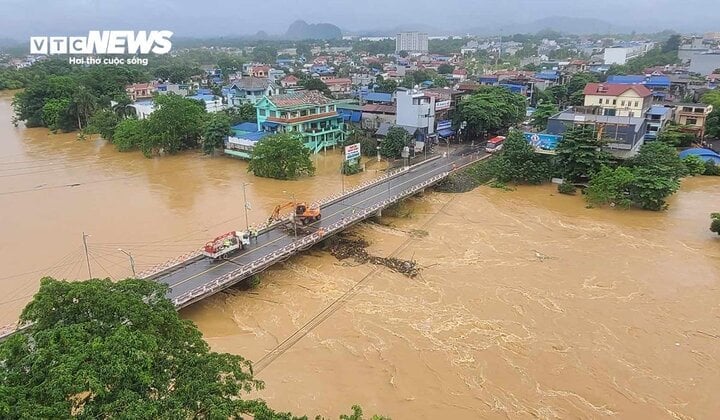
<point x="22" y="18"/>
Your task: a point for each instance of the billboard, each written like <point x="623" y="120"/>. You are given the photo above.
<point x="543" y="142"/>
<point x="352" y="151"/>
<point x="439" y="106"/>
<point x="444" y="125"/>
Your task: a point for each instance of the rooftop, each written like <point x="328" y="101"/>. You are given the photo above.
<point x="615" y="89"/>
<point x="295" y="99"/>
<point x="252" y="83"/>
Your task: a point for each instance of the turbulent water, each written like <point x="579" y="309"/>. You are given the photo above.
<point x="529" y="304"/>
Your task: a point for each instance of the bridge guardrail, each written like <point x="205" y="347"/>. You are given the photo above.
<point x="258" y="265"/>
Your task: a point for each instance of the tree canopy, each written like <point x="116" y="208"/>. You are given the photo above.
<point x="579" y="154"/>
<point x="542" y="114"/>
<point x="104" y="349"/>
<point x="491" y="109"/>
<point x="215" y="130"/>
<point x="314" y="83"/>
<point x="518" y="163"/>
<point x="281" y="156"/>
<point x="394" y="142"/>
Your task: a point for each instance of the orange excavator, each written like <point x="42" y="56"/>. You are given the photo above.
<point x="303" y="213"/>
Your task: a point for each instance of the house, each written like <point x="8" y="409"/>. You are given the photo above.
<point x="704" y="63"/>
<point x="459" y="75"/>
<point x="243" y="140"/>
<point x="659" y="84"/>
<point x="624" y="135"/>
<point x="308" y="113"/>
<point x="249" y="90"/>
<point x="416" y="109"/>
<point x="657" y="118"/>
<point x="178" y="89"/>
<point x="140" y="91"/>
<point x="377" y="98"/>
<point x="212" y="103"/>
<point x="351" y="113"/>
<point x="259" y="71"/>
<point x="618" y="99"/>
<point x="621" y="53"/>
<point x="374" y="115"/>
<point x="693" y="117"/>
<point x="339" y="87"/>
<point x="289" y="81"/>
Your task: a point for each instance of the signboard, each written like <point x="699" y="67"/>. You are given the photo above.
<point x="444" y="125"/>
<point x="543" y="142"/>
<point x="352" y="151"/>
<point x="439" y="106"/>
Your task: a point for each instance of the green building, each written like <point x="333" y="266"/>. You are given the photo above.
<point x="308" y="113"/>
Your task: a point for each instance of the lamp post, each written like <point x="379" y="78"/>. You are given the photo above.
<point x="294" y="212"/>
<point x="378" y="153"/>
<point x="246" y="205"/>
<point x="132" y="261"/>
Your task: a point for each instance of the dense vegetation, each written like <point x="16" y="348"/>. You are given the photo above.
<point x="281" y="156"/>
<point x="491" y="110"/>
<point x="103" y="349"/>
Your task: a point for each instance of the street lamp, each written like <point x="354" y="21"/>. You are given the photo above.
<point x="294" y="212"/>
<point x="246" y="205"/>
<point x="132" y="261"/>
<point x="378" y="153"/>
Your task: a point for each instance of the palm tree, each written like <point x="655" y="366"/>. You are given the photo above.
<point x="84" y="103"/>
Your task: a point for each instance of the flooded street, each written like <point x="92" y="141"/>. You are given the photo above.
<point x="529" y="305"/>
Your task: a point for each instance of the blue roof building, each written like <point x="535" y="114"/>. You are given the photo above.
<point x="704" y="154"/>
<point x="377" y="97"/>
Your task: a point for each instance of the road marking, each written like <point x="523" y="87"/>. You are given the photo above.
<point x="284" y="237"/>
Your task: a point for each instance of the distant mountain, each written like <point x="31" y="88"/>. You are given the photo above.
<point x="300" y="30"/>
<point x="564" y="24"/>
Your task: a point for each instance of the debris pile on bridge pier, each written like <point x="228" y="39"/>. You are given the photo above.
<point x="346" y="245"/>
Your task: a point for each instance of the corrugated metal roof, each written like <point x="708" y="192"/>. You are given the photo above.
<point x="295" y="99"/>
<point x="378" y="97"/>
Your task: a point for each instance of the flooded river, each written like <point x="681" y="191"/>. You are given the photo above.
<point x="529" y="304"/>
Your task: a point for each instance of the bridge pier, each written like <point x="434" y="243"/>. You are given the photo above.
<point x="378" y="213"/>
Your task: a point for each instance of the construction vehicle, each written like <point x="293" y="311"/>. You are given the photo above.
<point x="225" y="244"/>
<point x="303" y="214"/>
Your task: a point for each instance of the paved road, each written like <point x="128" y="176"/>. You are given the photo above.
<point x="203" y="270"/>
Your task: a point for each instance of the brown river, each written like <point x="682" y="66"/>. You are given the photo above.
<point x="529" y="305"/>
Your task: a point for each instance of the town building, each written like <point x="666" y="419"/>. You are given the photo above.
<point x="308" y="113"/>
<point x="693" y="117"/>
<point x="657" y="118"/>
<point x="175" y="88"/>
<point x="620" y="54"/>
<point x="212" y="103"/>
<point x="243" y="140"/>
<point x="289" y="81"/>
<point x="704" y="63"/>
<point x="374" y="115"/>
<point x="138" y="91"/>
<point x="416" y="109"/>
<point x="618" y="99"/>
<point x="659" y="84"/>
<point x="624" y="134"/>
<point x="411" y="42"/>
<point x="249" y="90"/>
<point x="340" y="88"/>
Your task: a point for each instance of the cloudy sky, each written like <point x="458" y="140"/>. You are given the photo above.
<point x="21" y="18"/>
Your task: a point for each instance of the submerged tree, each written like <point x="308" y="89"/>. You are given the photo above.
<point x="281" y="156"/>
<point x="215" y="131"/>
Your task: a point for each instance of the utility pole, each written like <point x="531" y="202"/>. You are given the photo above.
<point x="132" y="261"/>
<point x="87" y="256"/>
<point x="246" y="205"/>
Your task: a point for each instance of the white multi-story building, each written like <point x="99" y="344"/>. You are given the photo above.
<point x="621" y="54"/>
<point x="411" y="42"/>
<point x="416" y="109"/>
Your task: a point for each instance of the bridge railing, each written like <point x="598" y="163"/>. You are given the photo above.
<point x="287" y="251"/>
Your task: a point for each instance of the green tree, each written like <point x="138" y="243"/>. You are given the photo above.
<point x="129" y="134"/>
<point x="403" y="54"/>
<point x="264" y="54"/>
<point x="609" y="187"/>
<point x="675" y="136"/>
<point x="712" y="98"/>
<point x="314" y="83"/>
<point x="518" y="163"/>
<point x="394" y="142"/>
<point x="648" y="190"/>
<point x="175" y="125"/>
<point x="542" y="114"/>
<point x="104" y="123"/>
<point x="491" y="109"/>
<point x="445" y="69"/>
<point x="53" y="113"/>
<point x="580" y="154"/>
<point x="661" y="159"/>
<point x="83" y="104"/>
<point x="385" y="85"/>
<point x="711" y="169"/>
<point x="694" y="165"/>
<point x="712" y="124"/>
<point x="215" y="131"/>
<point x="281" y="156"/>
<point x="715" y="223"/>
<point x="103" y="349"/>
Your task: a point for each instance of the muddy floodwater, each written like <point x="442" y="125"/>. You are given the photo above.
<point x="529" y="305"/>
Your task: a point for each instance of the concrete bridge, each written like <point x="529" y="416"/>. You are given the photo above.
<point x="193" y="277"/>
